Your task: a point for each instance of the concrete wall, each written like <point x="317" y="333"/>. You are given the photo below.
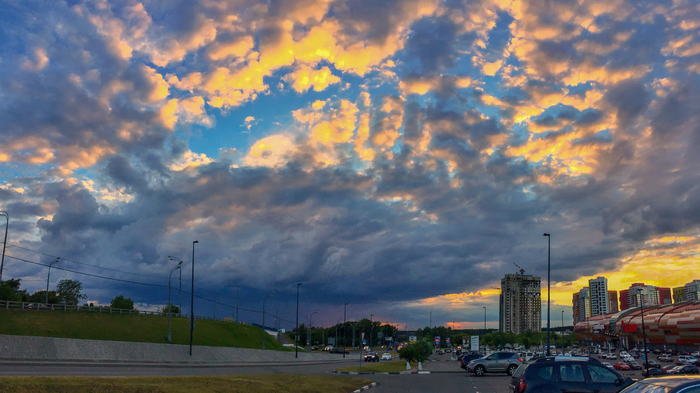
<point x="67" y="349"/>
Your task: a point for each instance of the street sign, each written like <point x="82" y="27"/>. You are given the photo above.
<point x="364" y="342"/>
<point x="475" y="343"/>
<point x="412" y="339"/>
<point x="388" y="338"/>
<point x="437" y="340"/>
<point x="448" y="340"/>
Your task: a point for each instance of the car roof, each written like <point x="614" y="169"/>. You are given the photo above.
<point x="671" y="381"/>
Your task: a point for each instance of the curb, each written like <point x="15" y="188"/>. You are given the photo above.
<point x="104" y="363"/>
<point x="384" y="372"/>
<point x="362" y="389"/>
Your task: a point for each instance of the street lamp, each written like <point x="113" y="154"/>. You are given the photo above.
<point x="371" y="328"/>
<point x="47" y="279"/>
<point x="484" y="320"/>
<point x="263" y="325"/>
<point x="549" y="239"/>
<point x="296" y="336"/>
<point x="562" y="321"/>
<point x="7" y="223"/>
<point x="178" y="260"/>
<point x="170" y="305"/>
<point x="344" y="335"/>
<point x="192" y="300"/>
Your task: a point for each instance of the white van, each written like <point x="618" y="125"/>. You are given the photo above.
<point x="687" y="359"/>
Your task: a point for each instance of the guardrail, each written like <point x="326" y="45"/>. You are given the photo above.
<point x="10" y="305"/>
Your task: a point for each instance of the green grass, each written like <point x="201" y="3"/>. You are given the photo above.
<point x="269" y="383"/>
<point x="391" y="367"/>
<point x="135" y="328"/>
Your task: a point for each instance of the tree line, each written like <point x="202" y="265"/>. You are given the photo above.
<point x="68" y="292"/>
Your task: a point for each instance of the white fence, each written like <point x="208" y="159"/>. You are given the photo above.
<point x="8" y="305"/>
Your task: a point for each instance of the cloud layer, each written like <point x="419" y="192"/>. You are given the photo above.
<point x="396" y="155"/>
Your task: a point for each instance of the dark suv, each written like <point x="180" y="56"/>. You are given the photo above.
<point x="557" y="374"/>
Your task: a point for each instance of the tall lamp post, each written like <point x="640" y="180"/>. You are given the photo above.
<point x="176" y="259"/>
<point x="7" y="224"/>
<point x="263" y="325"/>
<point x="644" y="332"/>
<point x="344" y="335"/>
<point x="484" y="320"/>
<point x="47" y="279"/>
<point x="192" y="300"/>
<point x="371" y="327"/>
<point x="311" y="327"/>
<point x="170" y="305"/>
<point x="549" y="239"/>
<point x="296" y="336"/>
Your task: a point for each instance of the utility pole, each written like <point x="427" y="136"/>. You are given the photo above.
<point x="7" y="224"/>
<point x="192" y="300"/>
<point x="549" y="330"/>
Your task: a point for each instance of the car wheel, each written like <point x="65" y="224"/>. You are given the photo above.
<point x="511" y="369"/>
<point x="479" y="371"/>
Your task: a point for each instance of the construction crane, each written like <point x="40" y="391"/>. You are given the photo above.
<point x="522" y="271"/>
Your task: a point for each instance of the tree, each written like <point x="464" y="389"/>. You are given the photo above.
<point x="303" y="331"/>
<point x="170" y="308"/>
<point x="9" y="290"/>
<point x="69" y="291"/>
<point x="122" y="302"/>
<point x="418" y="352"/>
<point x="40" y="297"/>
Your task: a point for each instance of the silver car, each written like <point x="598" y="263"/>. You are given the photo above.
<point x="497" y="362"/>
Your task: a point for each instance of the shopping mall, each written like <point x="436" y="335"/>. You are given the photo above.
<point x="671" y="326"/>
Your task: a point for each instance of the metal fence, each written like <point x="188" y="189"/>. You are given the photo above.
<point x="9" y="305"/>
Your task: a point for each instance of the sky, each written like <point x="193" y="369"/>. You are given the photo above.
<point x="400" y="156"/>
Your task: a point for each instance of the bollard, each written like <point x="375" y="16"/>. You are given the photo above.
<point x="420" y="366"/>
<point x="408" y="366"/>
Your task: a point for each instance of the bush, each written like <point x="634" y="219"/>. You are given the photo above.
<point x="418" y="352"/>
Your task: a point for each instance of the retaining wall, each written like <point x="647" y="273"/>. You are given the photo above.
<point x="29" y="348"/>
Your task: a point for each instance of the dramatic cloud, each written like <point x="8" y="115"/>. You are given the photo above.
<point x="397" y="155"/>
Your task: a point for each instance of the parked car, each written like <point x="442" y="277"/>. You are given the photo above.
<point x="496" y="362"/>
<point x="653" y="372"/>
<point x="608" y="365"/>
<point x="386" y="356"/>
<point x="653" y="363"/>
<point x="466" y="358"/>
<point x="621" y="366"/>
<point x="668" y="368"/>
<point x="675" y="384"/>
<point x="684" y="369"/>
<point x="371" y="357"/>
<point x="634" y="365"/>
<point x="687" y="359"/>
<point x="664" y="358"/>
<point x="339" y="350"/>
<point x="557" y="374"/>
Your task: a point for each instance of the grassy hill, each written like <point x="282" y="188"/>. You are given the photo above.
<point x="135" y="328"/>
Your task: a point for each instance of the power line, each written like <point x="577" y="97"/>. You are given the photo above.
<point x="82" y="263"/>
<point x="138" y="283"/>
<point x="87" y="274"/>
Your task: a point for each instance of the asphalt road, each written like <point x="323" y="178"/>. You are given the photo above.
<point x="446" y="376"/>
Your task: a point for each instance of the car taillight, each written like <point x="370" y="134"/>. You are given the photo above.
<point x="520" y="360"/>
<point x="522" y="386"/>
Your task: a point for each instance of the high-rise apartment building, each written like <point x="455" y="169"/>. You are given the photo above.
<point x="520" y="304"/>
<point x="664" y="295"/>
<point x="639" y="292"/>
<point x="612" y="302"/>
<point x="574" y="308"/>
<point x="678" y="294"/>
<point x="584" y="304"/>
<point x="599" y="296"/>
<point x="691" y="291"/>
<point x="623" y="299"/>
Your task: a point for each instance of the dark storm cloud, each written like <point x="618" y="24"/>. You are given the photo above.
<point x="631" y="99"/>
<point x="432" y="43"/>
